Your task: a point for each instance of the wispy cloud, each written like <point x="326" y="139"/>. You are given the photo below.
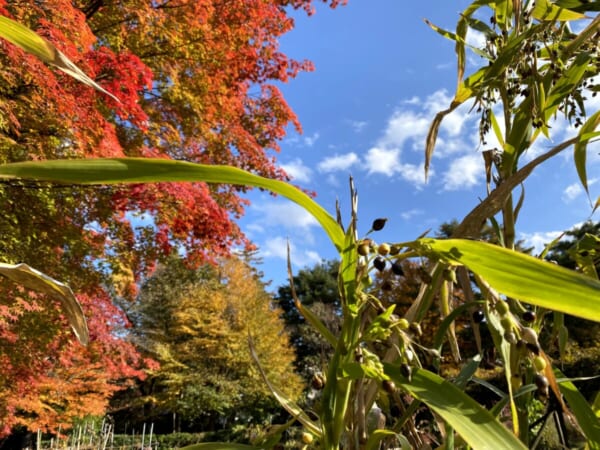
<point x="297" y="170"/>
<point x="358" y="125"/>
<point x="407" y="215"/>
<point x="309" y="141"/>
<point x="277" y="248"/>
<point x="571" y="192"/>
<point x="464" y="172"/>
<point x="539" y="239"/>
<point x="338" y="162"/>
<point x="286" y="214"/>
<point x="382" y="160"/>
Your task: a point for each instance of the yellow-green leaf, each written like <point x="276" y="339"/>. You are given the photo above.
<point x="522" y="276"/>
<point x="32" y="43"/>
<point x="148" y="170"/>
<point x="475" y="424"/>
<point x="580" y="149"/>
<point x="547" y="11"/>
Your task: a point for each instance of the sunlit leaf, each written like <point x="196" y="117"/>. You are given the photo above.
<point x="522" y="276"/>
<point x="586" y="418"/>
<point x="147" y="170"/>
<point x="40" y="282"/>
<point x="580" y="148"/>
<point x="36" y="45"/>
<point x="545" y="10"/>
<point x="470" y="420"/>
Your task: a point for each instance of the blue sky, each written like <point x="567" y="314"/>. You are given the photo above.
<point x="381" y="75"/>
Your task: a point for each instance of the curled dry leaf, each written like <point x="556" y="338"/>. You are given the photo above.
<point x="40" y="282"/>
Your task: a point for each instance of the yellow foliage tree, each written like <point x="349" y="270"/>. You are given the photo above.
<point x="196" y="324"/>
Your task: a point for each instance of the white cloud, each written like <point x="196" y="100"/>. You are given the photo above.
<point x="404" y="125"/>
<point x="277" y="248"/>
<point x="414" y="174"/>
<point x="383" y="160"/>
<point x="309" y="141"/>
<point x="571" y="192"/>
<point x="574" y="190"/>
<point x="407" y="215"/>
<point x="358" y="125"/>
<point x="338" y="162"/>
<point x="286" y="214"/>
<point x="476" y="38"/>
<point x="414" y="100"/>
<point x="297" y="170"/>
<point x="539" y="239"/>
<point x="464" y="172"/>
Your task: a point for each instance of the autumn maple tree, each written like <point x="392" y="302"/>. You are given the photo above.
<point x="196" y="82"/>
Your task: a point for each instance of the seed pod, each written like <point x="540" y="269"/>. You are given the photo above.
<point x="506" y="323"/>
<point x="478" y="316"/>
<point x="416" y="329"/>
<point x="543" y="393"/>
<point x="402" y="324"/>
<point x="388" y="386"/>
<point x="540" y="381"/>
<point x="533" y="348"/>
<point x="528" y="316"/>
<point x="539" y="363"/>
<point x="378" y="224"/>
<point x="383" y="249"/>
<point x="449" y="275"/>
<point x="379" y="263"/>
<point x="364" y="248"/>
<point x="510" y="337"/>
<point x="397" y="268"/>
<point x="307" y="438"/>
<point x="318" y="381"/>
<point x="394" y="250"/>
<point x="502" y="307"/>
<point x="529" y="335"/>
<point x="406" y="372"/>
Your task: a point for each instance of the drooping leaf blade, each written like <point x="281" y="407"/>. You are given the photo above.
<point x="40" y="282"/>
<point x="586" y="418"/>
<point x="522" y="276"/>
<point x="148" y="170"/>
<point x="580" y="148"/>
<point x="475" y="424"/>
<point x="32" y="43"/>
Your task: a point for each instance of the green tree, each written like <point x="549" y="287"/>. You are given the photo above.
<point x="195" y="323"/>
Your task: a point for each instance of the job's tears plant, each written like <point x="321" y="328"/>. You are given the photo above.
<point x="538" y="67"/>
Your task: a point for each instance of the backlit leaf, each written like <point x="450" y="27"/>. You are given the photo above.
<point x="475" y="424"/>
<point x="522" y="276"/>
<point x="40" y="282"/>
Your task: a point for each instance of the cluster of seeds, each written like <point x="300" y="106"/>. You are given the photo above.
<point x="524" y="341"/>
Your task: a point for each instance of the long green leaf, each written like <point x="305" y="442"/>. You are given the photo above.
<point x="40" y="282"/>
<point x="586" y="418"/>
<point x="544" y="10"/>
<point x="580" y="150"/>
<point x="522" y="276"/>
<point x="147" y="170"/>
<point x="475" y="424"/>
<point x="36" y="45"/>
